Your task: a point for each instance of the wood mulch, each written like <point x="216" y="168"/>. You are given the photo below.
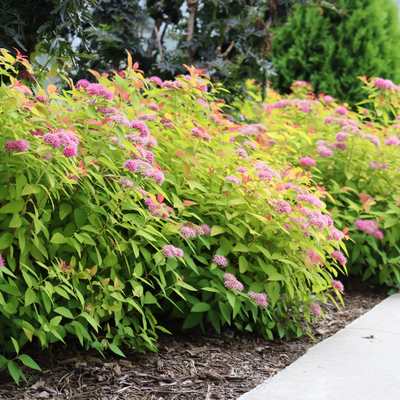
<point x="192" y="367"/>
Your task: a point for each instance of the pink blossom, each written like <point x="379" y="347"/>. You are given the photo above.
<point x="119" y="119"/>
<point x="373" y="138"/>
<point x="264" y="176"/>
<point x="260" y="166"/>
<point x="378" y="234"/>
<point x="242" y="153"/>
<point x="153" y="106"/>
<point x="158" y="176"/>
<point x="37" y="132"/>
<point x="220" y="260"/>
<point x="385" y="84"/>
<point x="70" y="151"/>
<point x="334" y="234"/>
<point x="337" y="285"/>
<point x="141" y="127"/>
<point x="368" y="226"/>
<point x="156" y="80"/>
<point x="172" y="251"/>
<point x="377" y="165"/>
<point x="338" y="255"/>
<point x="316" y="309"/>
<point x="151" y="142"/>
<point x="329" y="99"/>
<point x="341" y="136"/>
<point x="2" y="262"/>
<point x="318" y="222"/>
<point x="233" y="179"/>
<point x="324" y="151"/>
<point x="250" y="144"/>
<point x="132" y="165"/>
<point x="260" y="298"/>
<point x="366" y="112"/>
<point x="328" y="120"/>
<point x="67" y="138"/>
<point x="187" y="232"/>
<point x="126" y="182"/>
<point x="149" y="156"/>
<point x="82" y="83"/>
<point x="284" y="207"/>
<point x="308" y="161"/>
<point x="150" y="204"/>
<point x="232" y="283"/>
<point x="205" y="228"/>
<point x="341" y="146"/>
<point x="142" y="192"/>
<point x="287" y="226"/>
<point x="392" y="140"/>
<point x="232" y="139"/>
<point x="341" y="110"/>
<point x="241" y="170"/>
<point x="147" y="117"/>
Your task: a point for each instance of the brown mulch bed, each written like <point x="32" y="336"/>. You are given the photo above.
<point x="196" y="366"/>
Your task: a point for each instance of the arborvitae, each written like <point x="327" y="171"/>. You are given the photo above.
<point x="330" y="49"/>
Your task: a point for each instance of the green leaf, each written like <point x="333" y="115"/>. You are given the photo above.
<point x="116" y="350"/>
<point x="80" y="217"/>
<point x="200" y="307"/>
<point x="192" y="320"/>
<point x="5" y="240"/>
<point x="226" y="311"/>
<point x="12" y="207"/>
<point x="16" y="346"/>
<point x="15" y="371"/>
<point x="240" y="247"/>
<point x="65" y="209"/>
<point x="26" y="360"/>
<point x="16" y="221"/>
<point x="58" y="238"/>
<point x="242" y="264"/>
<point x="64" y="312"/>
<point x="30" y="297"/>
<point x="28" y="189"/>
<point x="216" y="230"/>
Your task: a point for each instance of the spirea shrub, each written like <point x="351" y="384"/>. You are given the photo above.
<point x="354" y="160"/>
<point x="127" y="202"/>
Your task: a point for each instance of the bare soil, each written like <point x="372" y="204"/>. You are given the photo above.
<point x="192" y="367"/>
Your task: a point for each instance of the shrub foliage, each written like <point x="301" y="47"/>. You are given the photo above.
<point x="132" y="201"/>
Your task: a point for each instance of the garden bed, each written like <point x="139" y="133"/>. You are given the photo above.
<point x="195" y="366"/>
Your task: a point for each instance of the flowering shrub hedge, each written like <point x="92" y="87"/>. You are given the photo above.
<point x="132" y="200"/>
<point x="353" y="158"/>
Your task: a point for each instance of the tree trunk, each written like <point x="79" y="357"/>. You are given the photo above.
<point x="192" y="7"/>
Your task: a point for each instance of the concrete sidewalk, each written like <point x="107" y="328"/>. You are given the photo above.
<point x="360" y="362"/>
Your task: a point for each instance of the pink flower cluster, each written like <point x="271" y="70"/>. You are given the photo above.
<point x="373" y="138"/>
<point x="392" y="140"/>
<point x="283" y="207"/>
<point x="307" y="161"/>
<point x="260" y="298"/>
<point x="370" y="227"/>
<point x="201" y="134"/>
<point x="385" y="84"/>
<point x="338" y="255"/>
<point x="250" y="144"/>
<point x="232" y="283"/>
<point x="314" y="257"/>
<point x="172" y="251"/>
<point x="341" y="110"/>
<point x="316" y="309"/>
<point x="63" y="138"/>
<point x="156" y="80"/>
<point x="141" y="127"/>
<point x="2" y="262"/>
<point x="264" y="176"/>
<point x="97" y="89"/>
<point x="187" y="232"/>
<point x="341" y="136"/>
<point x="18" y="145"/>
<point x="147" y="117"/>
<point x="126" y="182"/>
<point x="338" y="285"/>
<point x="233" y="179"/>
<point x="241" y="170"/>
<point x="377" y="165"/>
<point x="220" y="260"/>
<point x="242" y="153"/>
<point x="310" y="198"/>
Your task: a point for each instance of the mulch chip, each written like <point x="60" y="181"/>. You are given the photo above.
<point x="194" y="366"/>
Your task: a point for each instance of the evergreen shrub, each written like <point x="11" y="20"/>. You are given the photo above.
<point x="330" y="49"/>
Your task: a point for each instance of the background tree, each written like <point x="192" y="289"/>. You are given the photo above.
<point x="329" y="50"/>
